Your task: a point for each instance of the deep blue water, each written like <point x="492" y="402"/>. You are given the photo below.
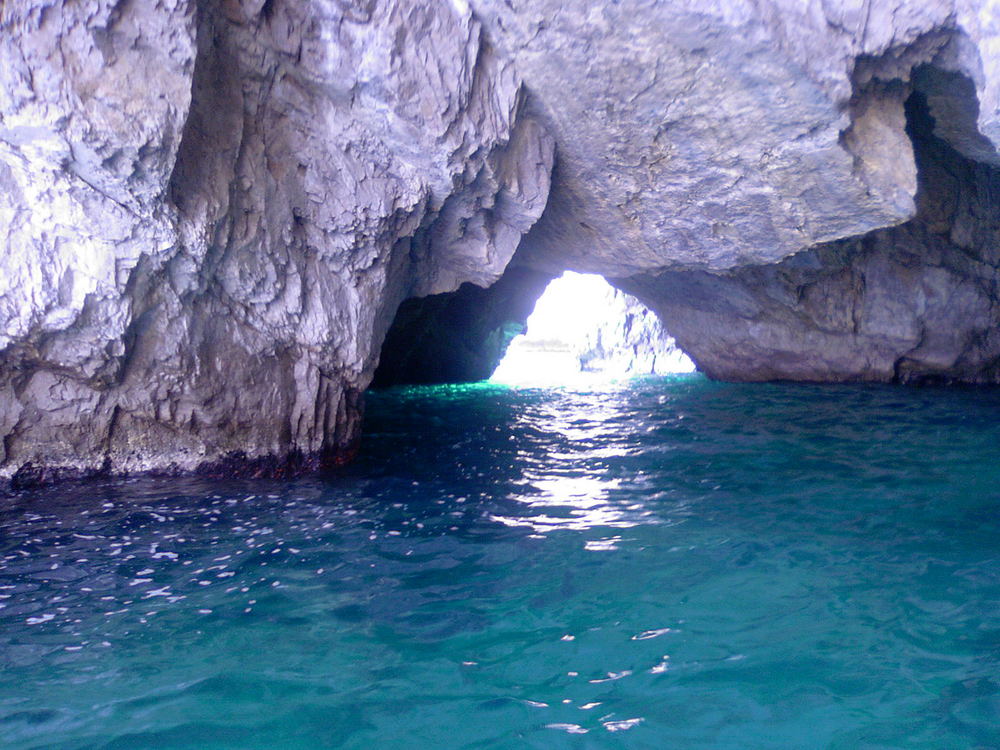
<point x="662" y="564"/>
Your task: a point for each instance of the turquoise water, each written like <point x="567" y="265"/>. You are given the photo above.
<point x="666" y="564"/>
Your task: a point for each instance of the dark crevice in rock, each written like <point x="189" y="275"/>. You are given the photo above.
<point x="267" y="10"/>
<point x="460" y="336"/>
<point x="953" y="112"/>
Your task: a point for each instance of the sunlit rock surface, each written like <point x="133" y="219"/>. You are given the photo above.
<point x="722" y="133"/>
<point x="631" y="341"/>
<point x="211" y="212"/>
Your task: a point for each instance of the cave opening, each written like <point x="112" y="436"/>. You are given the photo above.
<point x="529" y="328"/>
<point x="820" y="314"/>
<point x="583" y="329"/>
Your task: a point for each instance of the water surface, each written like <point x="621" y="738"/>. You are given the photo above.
<point x="667" y="563"/>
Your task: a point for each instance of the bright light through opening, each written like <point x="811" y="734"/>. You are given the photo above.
<point x="582" y="328"/>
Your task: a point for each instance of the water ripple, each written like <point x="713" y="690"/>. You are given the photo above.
<point x="671" y="563"/>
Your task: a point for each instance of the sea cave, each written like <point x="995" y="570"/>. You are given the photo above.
<point x="499" y="374"/>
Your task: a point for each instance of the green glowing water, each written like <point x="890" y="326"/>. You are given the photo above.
<point x="666" y="564"/>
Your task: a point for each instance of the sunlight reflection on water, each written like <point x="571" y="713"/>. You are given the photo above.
<point x="568" y="485"/>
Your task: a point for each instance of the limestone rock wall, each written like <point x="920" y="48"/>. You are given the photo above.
<point x="631" y="341"/>
<point x="211" y="210"/>
<point x="720" y="133"/>
<point x="913" y="303"/>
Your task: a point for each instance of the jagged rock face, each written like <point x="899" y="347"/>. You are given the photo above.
<point x="713" y="146"/>
<point x="915" y="302"/>
<point x="211" y="211"/>
<point x="716" y="134"/>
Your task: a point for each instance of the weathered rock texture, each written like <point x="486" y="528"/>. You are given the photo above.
<point x="916" y="302"/>
<point x="721" y="133"/>
<point x="211" y="210"/>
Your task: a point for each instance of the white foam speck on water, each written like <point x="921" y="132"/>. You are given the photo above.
<point x="568" y="728"/>
<point x="621" y="726"/>
<point x="647" y="634"/>
<point x="612" y="676"/>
